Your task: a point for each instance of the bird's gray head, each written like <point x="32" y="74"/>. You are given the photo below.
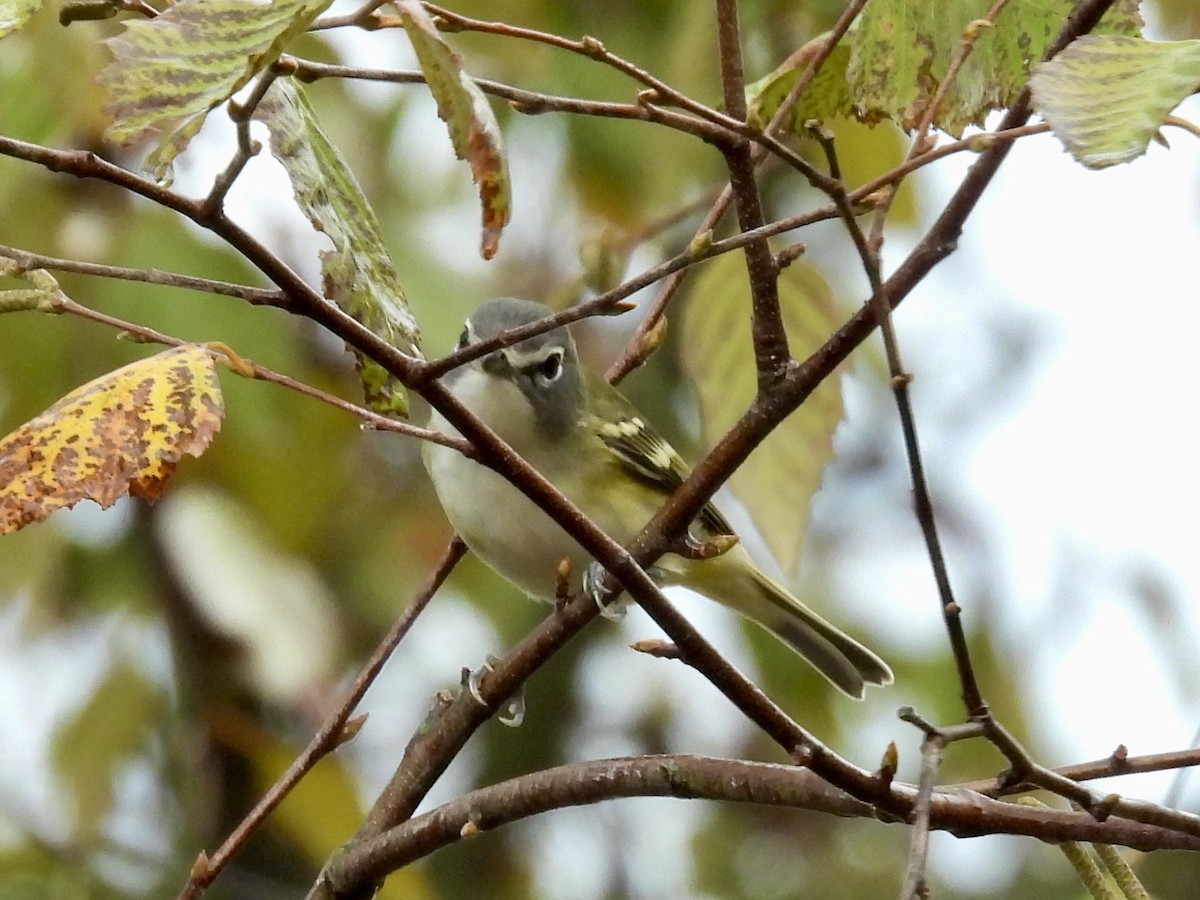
<point x="545" y="368"/>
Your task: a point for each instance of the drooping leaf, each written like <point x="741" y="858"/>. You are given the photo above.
<point x="15" y="13"/>
<point x="1106" y="96"/>
<point x="778" y="481"/>
<point x="124" y="432"/>
<point x="168" y="72"/>
<point x="104" y="735"/>
<point x="358" y="273"/>
<point x="902" y="49"/>
<point x="474" y="131"/>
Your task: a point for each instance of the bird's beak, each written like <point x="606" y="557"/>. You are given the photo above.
<point x="497" y="364"/>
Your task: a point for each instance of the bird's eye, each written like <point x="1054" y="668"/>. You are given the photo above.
<point x="464" y="338"/>
<point x="551" y="367"/>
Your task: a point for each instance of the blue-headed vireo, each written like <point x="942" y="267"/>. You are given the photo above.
<point x="592" y="444"/>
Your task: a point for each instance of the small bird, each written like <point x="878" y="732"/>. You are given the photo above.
<point x="593" y="445"/>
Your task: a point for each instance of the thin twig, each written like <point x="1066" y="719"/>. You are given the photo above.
<point x="253" y="295"/>
<point x="363" y="17"/>
<point x="767" y="333"/>
<point x="591" y="48"/>
<point x="329" y="736"/>
<point x="1117" y="763"/>
<point x="1084" y="17"/>
<point x="869" y="250"/>
<point x="635" y="350"/>
<point x="523" y="101"/>
<point x="247" y="148"/>
<point x="63" y="304"/>
<point x="914" y="887"/>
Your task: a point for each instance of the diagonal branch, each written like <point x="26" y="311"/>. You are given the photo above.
<point x="330" y="735"/>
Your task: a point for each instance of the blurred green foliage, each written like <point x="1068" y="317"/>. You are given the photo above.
<point x="146" y="736"/>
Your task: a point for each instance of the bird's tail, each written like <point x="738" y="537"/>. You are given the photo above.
<point x="836" y="655"/>
<point x="844" y="661"/>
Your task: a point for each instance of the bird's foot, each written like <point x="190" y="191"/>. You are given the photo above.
<point x="612" y="606"/>
<point x="513" y="713"/>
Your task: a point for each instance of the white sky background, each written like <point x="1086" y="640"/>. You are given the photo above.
<point x="1084" y="471"/>
<point x="1097" y="457"/>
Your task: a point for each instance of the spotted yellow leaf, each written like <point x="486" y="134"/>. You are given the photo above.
<point x="123" y="432"/>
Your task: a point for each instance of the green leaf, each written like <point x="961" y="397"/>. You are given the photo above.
<point x="779" y="479"/>
<point x="358" y="273"/>
<point x="474" y="131"/>
<point x="170" y="71"/>
<point x="903" y="48"/>
<point x="108" y="731"/>
<point x="1106" y="96"/>
<point x="15" y="13"/>
<point x="827" y="95"/>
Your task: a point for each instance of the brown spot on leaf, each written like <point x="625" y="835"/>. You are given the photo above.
<point x="124" y="432"/>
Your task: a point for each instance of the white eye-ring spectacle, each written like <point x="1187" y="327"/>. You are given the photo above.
<point x="550" y="368"/>
<point x="465" y="337"/>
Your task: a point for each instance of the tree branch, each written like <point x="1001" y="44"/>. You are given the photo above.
<point x="699" y="777"/>
<point x="771" y="352"/>
<point x="329" y="737"/>
<point x="253" y="295"/>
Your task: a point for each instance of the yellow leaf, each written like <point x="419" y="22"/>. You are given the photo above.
<point x="778" y="481"/>
<point x="123" y="432"/>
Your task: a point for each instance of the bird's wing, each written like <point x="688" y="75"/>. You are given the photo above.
<point x="645" y="453"/>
